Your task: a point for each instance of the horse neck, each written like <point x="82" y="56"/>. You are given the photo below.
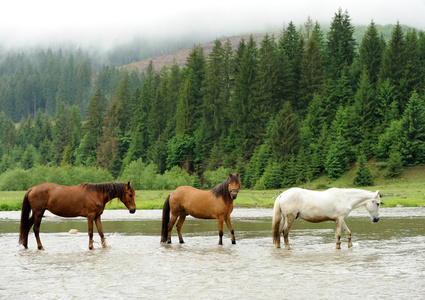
<point x="357" y="198"/>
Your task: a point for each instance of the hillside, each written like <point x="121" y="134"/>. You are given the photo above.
<point x="180" y="56"/>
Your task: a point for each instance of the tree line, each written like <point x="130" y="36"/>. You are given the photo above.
<point x="281" y="111"/>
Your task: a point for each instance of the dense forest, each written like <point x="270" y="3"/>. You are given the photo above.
<point x="281" y="112"/>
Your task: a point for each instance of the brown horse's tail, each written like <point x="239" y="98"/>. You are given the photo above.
<point x="25" y="219"/>
<point x="277" y="224"/>
<point x="165" y="220"/>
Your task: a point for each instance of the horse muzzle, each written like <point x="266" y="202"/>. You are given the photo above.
<point x="132" y="210"/>
<point x="376" y="219"/>
<point x="233" y="194"/>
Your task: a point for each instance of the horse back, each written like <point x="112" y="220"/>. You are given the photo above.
<point x="197" y="203"/>
<point x="65" y="201"/>
<point x="313" y="206"/>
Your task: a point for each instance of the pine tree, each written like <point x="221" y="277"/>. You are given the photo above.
<point x="394" y="62"/>
<point x="413" y="132"/>
<point x="285" y="136"/>
<point x="313" y="77"/>
<point x="341" y="45"/>
<point x="371" y="51"/>
<point x="395" y="165"/>
<point x="363" y="176"/>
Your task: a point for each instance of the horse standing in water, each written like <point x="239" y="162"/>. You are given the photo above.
<point x="83" y="200"/>
<point x="214" y="204"/>
<point x="314" y="206"/>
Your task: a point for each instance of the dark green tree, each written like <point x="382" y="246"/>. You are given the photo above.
<point x="363" y="175"/>
<point x="412" y="138"/>
<point x="371" y="51"/>
<point x="341" y="45"/>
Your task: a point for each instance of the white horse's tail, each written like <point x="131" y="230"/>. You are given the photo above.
<point x="277" y="224"/>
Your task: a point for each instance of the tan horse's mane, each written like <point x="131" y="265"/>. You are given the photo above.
<point x="222" y="188"/>
<point x="113" y="189"/>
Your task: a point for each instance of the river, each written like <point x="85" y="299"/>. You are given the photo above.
<point x="387" y="260"/>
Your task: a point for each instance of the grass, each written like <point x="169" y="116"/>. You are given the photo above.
<point x="407" y="190"/>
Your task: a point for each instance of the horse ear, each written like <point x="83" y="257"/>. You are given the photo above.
<point x="377" y="192"/>
<point x="129" y="183"/>
<point x="237" y="174"/>
<point x="230" y="174"/>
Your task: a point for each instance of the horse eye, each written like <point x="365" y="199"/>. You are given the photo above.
<point x="131" y="195"/>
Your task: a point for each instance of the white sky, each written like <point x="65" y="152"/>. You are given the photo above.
<point x="104" y="23"/>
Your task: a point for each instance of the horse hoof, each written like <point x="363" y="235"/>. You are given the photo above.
<point x="234" y="242"/>
<point x="169" y="242"/>
<point x="181" y="242"/>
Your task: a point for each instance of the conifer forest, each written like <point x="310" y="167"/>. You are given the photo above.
<point x="281" y="111"/>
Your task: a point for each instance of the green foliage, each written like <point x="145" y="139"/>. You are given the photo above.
<point x="363" y="176"/>
<point x="280" y="111"/>
<point x="19" y="179"/>
<point x="394" y="165"/>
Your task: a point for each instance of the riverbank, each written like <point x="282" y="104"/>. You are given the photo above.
<point x="409" y="194"/>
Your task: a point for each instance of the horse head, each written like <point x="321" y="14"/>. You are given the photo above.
<point x="129" y="197"/>
<point x="234" y="185"/>
<point x="373" y="205"/>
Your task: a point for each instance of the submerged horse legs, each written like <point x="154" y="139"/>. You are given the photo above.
<point x="37" y="222"/>
<point x="179" y="226"/>
<point x="171" y="223"/>
<point x="289" y="219"/>
<point x="232" y="232"/>
<point x="347" y="233"/>
<point x="100" y="230"/>
<point x="340" y="224"/>
<point x="220" y="221"/>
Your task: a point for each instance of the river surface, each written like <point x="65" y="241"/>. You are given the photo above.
<point x="387" y="260"/>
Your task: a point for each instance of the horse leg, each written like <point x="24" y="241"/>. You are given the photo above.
<point x="289" y="219"/>
<point x="37" y="222"/>
<point x="90" y="230"/>
<point x="220" y="221"/>
<point x="173" y="220"/>
<point x="232" y="232"/>
<point x="179" y="226"/>
<point x="100" y="230"/>
<point x="30" y="224"/>
<point x="347" y="233"/>
<point x="338" y="227"/>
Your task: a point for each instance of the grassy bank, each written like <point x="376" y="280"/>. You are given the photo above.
<point x="405" y="194"/>
<point x="407" y="190"/>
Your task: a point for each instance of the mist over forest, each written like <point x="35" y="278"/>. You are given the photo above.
<point x="295" y="103"/>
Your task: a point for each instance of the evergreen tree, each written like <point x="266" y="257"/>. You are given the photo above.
<point x="313" y="77"/>
<point x="363" y="176"/>
<point x="413" y="132"/>
<point x="371" y="51"/>
<point x="341" y="45"/>
<point x="394" y="62"/>
<point x="244" y="87"/>
<point x="285" y="136"/>
<point x="395" y="165"/>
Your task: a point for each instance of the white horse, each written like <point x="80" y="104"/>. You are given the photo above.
<point x="318" y="206"/>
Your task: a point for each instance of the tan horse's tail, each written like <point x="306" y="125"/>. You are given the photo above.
<point x="25" y="219"/>
<point x="165" y="220"/>
<point x="277" y="224"/>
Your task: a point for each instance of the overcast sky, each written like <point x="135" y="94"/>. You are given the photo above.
<point x="104" y="22"/>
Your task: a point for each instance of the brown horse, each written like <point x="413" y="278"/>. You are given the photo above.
<point x="214" y="204"/>
<point x="83" y="200"/>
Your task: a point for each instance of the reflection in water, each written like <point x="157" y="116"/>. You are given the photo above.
<point x="387" y="260"/>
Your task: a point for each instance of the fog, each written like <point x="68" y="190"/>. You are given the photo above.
<point x="106" y="24"/>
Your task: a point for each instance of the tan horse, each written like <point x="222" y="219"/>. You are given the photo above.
<point x="216" y="203"/>
<point x="83" y="200"/>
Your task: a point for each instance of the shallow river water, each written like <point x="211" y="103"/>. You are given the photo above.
<point x="387" y="260"/>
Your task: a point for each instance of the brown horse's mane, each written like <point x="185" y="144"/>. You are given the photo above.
<point x="113" y="189"/>
<point x="222" y="188"/>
